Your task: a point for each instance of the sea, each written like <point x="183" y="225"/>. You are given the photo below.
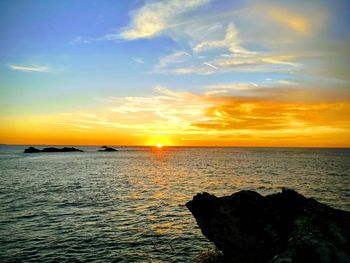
<point x="129" y="206"/>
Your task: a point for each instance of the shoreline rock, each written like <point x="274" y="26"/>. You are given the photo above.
<point x="52" y="149"/>
<point x="284" y="227"/>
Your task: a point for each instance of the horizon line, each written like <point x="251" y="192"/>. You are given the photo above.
<point x="181" y="146"/>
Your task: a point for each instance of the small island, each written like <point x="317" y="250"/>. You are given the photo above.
<point x="52" y="149"/>
<point x="107" y="149"/>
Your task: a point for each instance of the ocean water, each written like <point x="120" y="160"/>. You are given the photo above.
<point x="128" y="206"/>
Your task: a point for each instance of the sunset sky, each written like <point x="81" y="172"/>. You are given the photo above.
<point x="176" y="72"/>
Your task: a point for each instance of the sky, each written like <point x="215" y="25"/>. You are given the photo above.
<point x="176" y="72"/>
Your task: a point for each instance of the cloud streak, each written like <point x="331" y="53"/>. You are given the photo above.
<point x="29" y="68"/>
<point x="138" y="60"/>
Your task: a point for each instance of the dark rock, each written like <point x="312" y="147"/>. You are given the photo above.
<point x="107" y="149"/>
<point x="52" y="149"/>
<point x="283" y="227"/>
<point x="31" y="150"/>
<point x="64" y="149"/>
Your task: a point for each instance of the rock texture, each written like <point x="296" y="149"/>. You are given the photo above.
<point x="283" y="227"/>
<point x="52" y="149"/>
<point x="107" y="149"/>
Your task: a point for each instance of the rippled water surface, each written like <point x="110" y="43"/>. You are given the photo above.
<point x="128" y="206"/>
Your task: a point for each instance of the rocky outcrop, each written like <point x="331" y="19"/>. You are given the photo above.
<point x="107" y="149"/>
<point x="32" y="150"/>
<point x="283" y="227"/>
<point x="52" y="149"/>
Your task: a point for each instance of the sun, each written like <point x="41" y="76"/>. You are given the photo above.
<point x="159" y="141"/>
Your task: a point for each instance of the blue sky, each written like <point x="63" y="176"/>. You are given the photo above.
<point x="59" y="57"/>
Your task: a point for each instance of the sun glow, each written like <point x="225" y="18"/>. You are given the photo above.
<point x="159" y="141"/>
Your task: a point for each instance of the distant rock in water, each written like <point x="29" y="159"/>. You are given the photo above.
<point x="107" y="149"/>
<point x="284" y="227"/>
<point x="52" y="149"/>
<point x="64" y="149"/>
<point x="31" y="150"/>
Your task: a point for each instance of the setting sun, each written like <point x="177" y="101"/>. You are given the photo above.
<point x="159" y="145"/>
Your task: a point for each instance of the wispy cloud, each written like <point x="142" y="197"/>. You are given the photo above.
<point x="138" y="60"/>
<point x="286" y="37"/>
<point x="154" y="17"/>
<point x="173" y="58"/>
<point x="218" y="48"/>
<point x="29" y="68"/>
<point x="80" y="40"/>
<point x="230" y="41"/>
<point x="257" y="62"/>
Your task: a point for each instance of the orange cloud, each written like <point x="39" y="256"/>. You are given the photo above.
<point x="285" y="116"/>
<point x="267" y="115"/>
